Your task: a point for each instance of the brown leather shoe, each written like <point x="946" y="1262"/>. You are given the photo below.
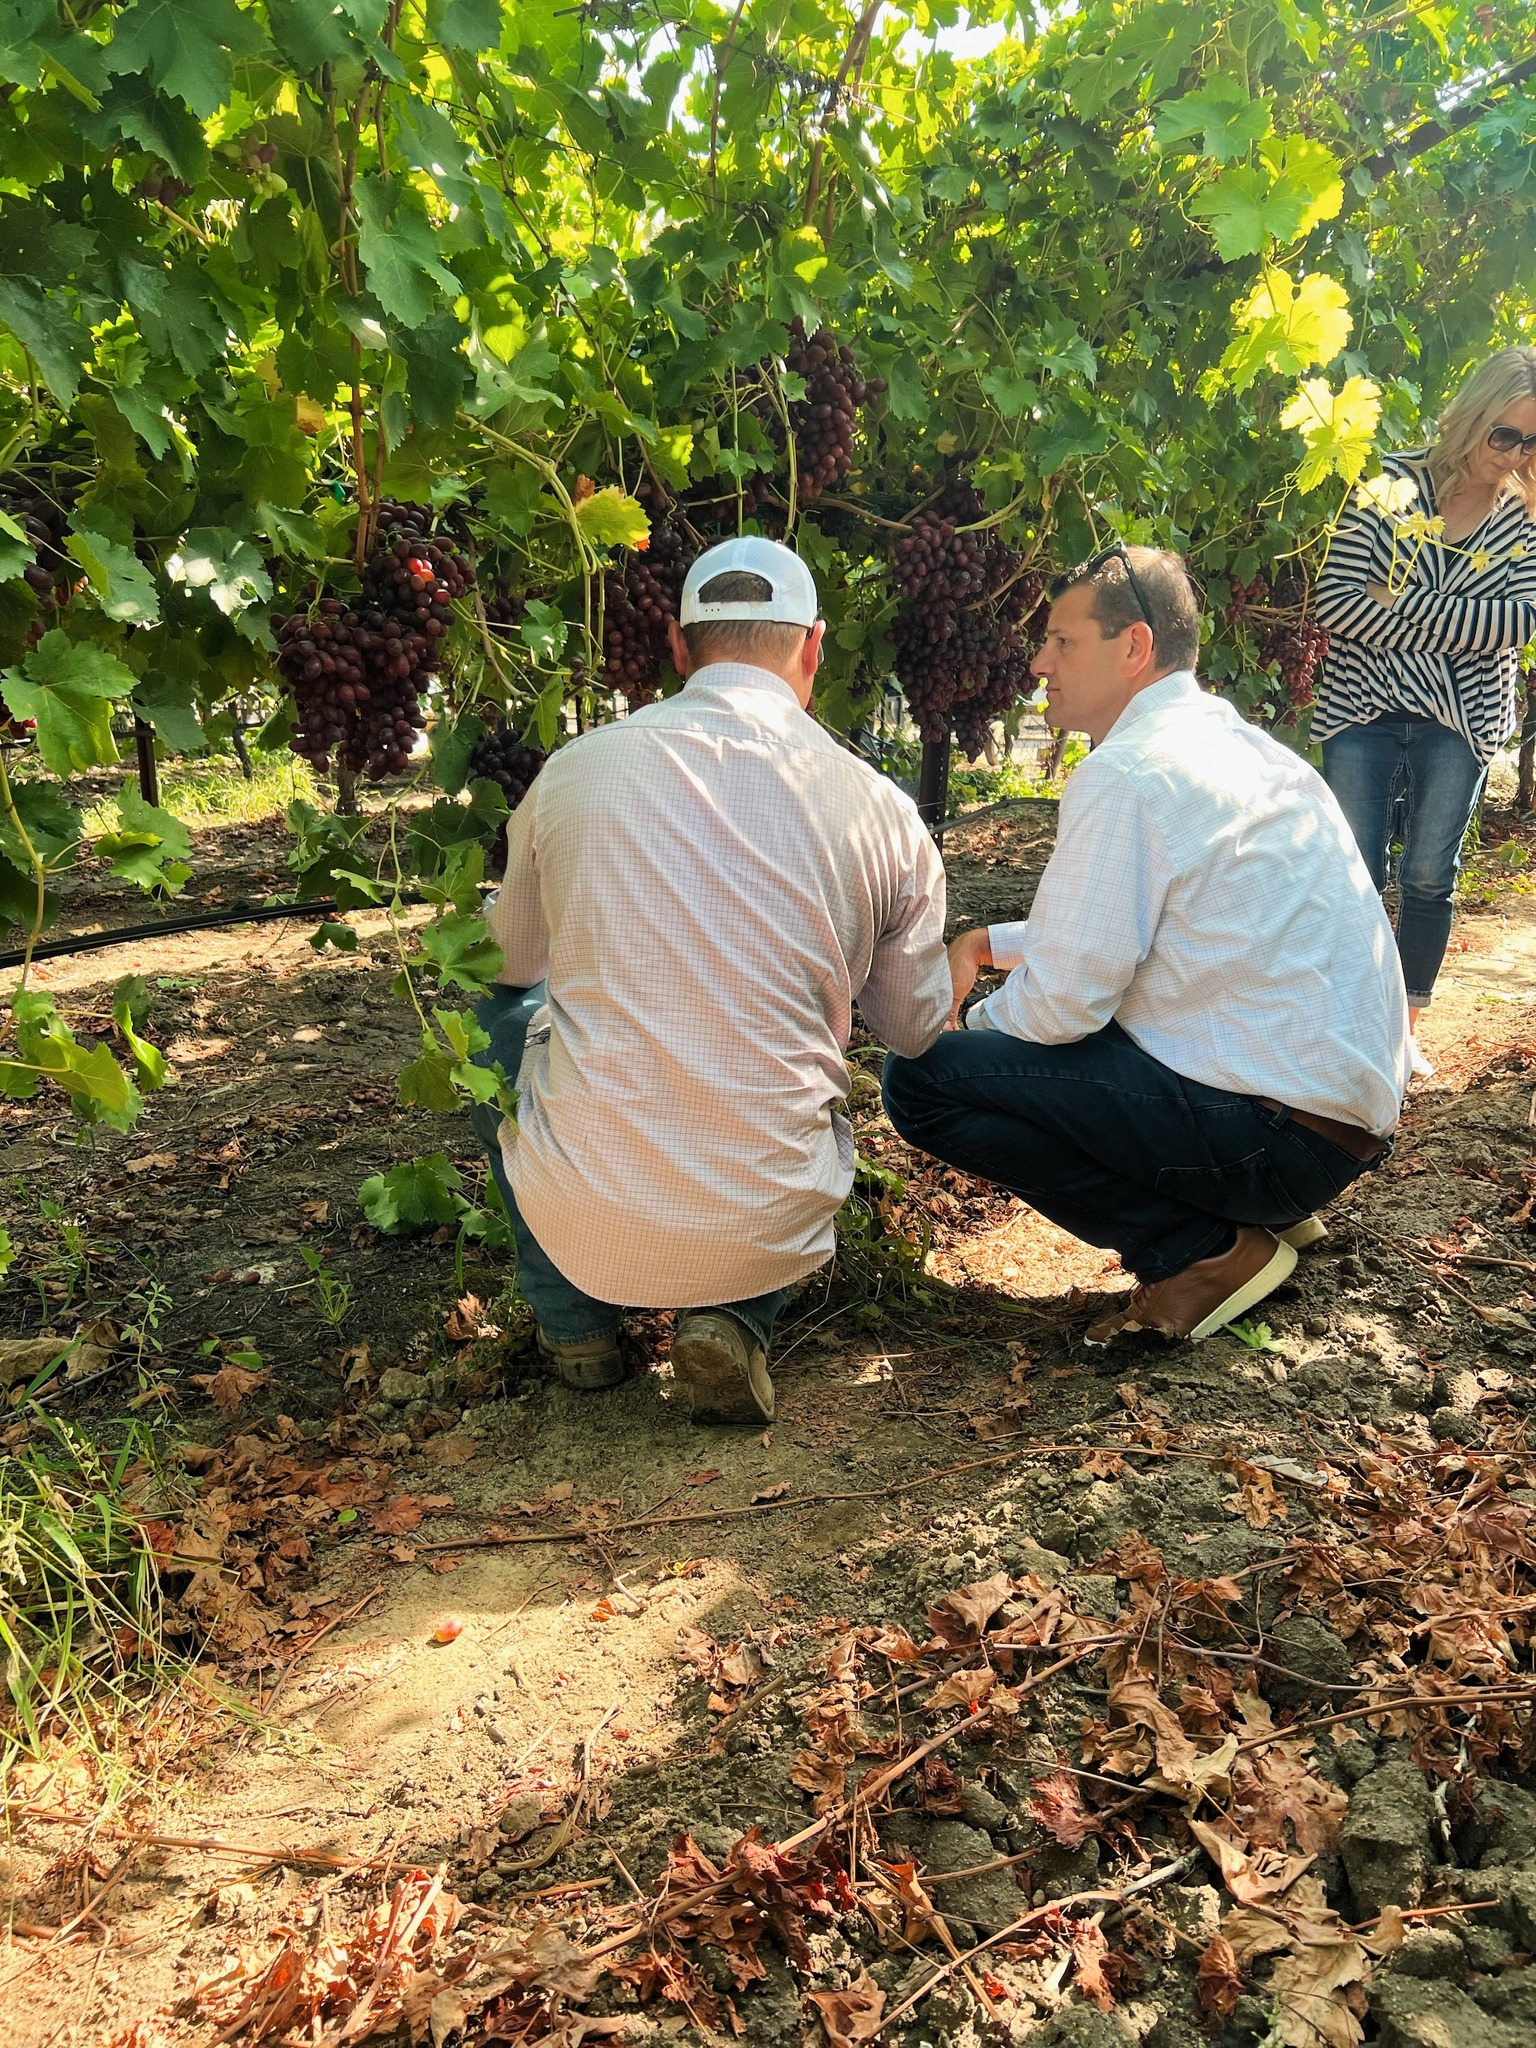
<point x="1207" y="1295"/>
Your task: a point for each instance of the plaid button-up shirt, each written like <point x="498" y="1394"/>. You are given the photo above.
<point x="708" y="886"/>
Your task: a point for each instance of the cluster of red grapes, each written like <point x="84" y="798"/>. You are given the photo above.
<point x="961" y="639"/>
<point x="50" y="574"/>
<point x="639" y="599"/>
<point x="823" y="421"/>
<point x="357" y="671"/>
<point x="501" y="757"/>
<point x="1297" y="650"/>
<point x="165" y="187"/>
<point x="1244" y="594"/>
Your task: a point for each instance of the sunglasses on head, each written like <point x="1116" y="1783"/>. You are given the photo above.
<point x="1510" y="441"/>
<point x="1087" y="570"/>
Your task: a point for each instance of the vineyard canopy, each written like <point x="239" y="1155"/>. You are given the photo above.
<point x="594" y="283"/>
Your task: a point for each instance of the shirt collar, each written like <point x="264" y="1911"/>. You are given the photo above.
<point x="740" y="675"/>
<point x="1168" y="689"/>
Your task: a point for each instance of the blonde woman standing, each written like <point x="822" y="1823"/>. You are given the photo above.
<point x="1429" y="593"/>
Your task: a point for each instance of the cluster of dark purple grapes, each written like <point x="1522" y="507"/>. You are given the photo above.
<point x="503" y="607"/>
<point x="49" y="575"/>
<point x="357" y="671"/>
<point x="1244" y="594"/>
<point x="166" y="187"/>
<point x="502" y="758"/>
<point x="961" y="639"/>
<point x="640" y="597"/>
<point x="823" y="422"/>
<point x="1296" y="651"/>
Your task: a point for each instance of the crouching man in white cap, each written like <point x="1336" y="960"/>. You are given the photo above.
<point x="695" y="898"/>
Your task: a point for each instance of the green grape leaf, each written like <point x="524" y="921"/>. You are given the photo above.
<point x="123" y="586"/>
<point x="68" y="687"/>
<point x="398" y="246"/>
<point x="45" y="326"/>
<point x="152" y="848"/>
<point x="472" y="25"/>
<point x="1228" y="121"/>
<point x="333" y="933"/>
<point x="611" y="518"/>
<point x="216" y="559"/>
<point x="413" y="1195"/>
<point x="16" y="550"/>
<point x="52" y="824"/>
<point x="543" y="629"/>
<point x="130" y="1005"/>
<point x="427" y="1083"/>
<point x="185" y="47"/>
<point x="1286" y="196"/>
<point x="463" y="952"/>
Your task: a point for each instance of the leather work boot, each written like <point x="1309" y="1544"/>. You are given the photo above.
<point x="720" y="1370"/>
<point x="589" y="1364"/>
<point x="1309" y="1231"/>
<point x="1206" y="1296"/>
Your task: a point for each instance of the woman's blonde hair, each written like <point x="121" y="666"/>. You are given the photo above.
<point x="1463" y="426"/>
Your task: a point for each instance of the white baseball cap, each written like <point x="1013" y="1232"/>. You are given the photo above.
<point x="793" y="602"/>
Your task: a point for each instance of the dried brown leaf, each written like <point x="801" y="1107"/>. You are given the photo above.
<point x="850" y="2017"/>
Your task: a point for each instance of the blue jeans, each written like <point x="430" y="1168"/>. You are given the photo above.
<point x="1113" y="1145"/>
<point x="1368" y="768"/>
<point x="562" y="1311"/>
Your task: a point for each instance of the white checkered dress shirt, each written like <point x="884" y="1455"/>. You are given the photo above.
<point x="708" y="885"/>
<point x="1206" y="894"/>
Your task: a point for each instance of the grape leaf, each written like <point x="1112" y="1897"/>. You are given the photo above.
<point x="411" y="1195"/>
<point x="45" y="326"/>
<point x="399" y="249"/>
<point x="123" y="586"/>
<point x="612" y="518"/>
<point x="1278" y="200"/>
<point x="151" y="849"/>
<point x="216" y="559"/>
<point x="1221" y="113"/>
<point x="1337" y="426"/>
<point x="472" y="25"/>
<point x="68" y="687"/>
<point x="184" y="47"/>
<point x="463" y="952"/>
<point x="1288" y="328"/>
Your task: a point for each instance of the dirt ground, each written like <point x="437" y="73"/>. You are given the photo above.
<point x="458" y="1616"/>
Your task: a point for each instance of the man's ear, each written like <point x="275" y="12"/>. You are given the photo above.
<point x="1142" y="646"/>
<point x="810" y="654"/>
<point x="682" y="660"/>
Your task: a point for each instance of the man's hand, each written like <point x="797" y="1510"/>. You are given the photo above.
<point x="967" y="956"/>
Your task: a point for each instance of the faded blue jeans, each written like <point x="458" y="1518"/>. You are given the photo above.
<point x="1368" y="767"/>
<point x="561" y="1310"/>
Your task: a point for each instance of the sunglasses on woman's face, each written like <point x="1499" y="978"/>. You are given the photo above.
<point x="1510" y="441"/>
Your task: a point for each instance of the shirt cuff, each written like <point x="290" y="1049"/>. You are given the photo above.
<point x="1006" y="942"/>
<point x="976" y="1018"/>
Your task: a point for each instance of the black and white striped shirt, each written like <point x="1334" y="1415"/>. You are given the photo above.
<point x="1448" y="646"/>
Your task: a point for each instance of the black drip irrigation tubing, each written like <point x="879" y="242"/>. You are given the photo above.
<point x="170" y="928"/>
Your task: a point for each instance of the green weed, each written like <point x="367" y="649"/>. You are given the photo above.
<point x="81" y="1611"/>
<point x="333" y="1295"/>
<point x="1257" y="1336"/>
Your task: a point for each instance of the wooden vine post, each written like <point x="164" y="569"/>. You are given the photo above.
<point x="1525" y="787"/>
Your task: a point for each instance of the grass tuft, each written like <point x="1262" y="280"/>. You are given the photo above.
<point x="81" y="1608"/>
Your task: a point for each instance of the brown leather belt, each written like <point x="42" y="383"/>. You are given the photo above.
<point x="1350" y="1138"/>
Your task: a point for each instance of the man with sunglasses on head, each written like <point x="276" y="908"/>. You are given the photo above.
<point x="1203" y="1036"/>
